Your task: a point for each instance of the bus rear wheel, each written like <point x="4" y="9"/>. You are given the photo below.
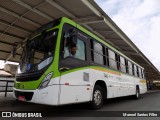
<point x="97" y="98"/>
<point x="137" y="95"/>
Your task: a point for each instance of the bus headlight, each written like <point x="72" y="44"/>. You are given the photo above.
<point x="46" y="80"/>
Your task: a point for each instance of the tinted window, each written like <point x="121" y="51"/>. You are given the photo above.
<point x="112" y="59"/>
<point x="107" y="57"/>
<point x="126" y="63"/>
<point x="122" y="65"/>
<point x="140" y="72"/>
<point x="81" y="50"/>
<point x="130" y="68"/>
<point x="135" y="70"/>
<point x="98" y="53"/>
<point x="118" y="61"/>
<point x="98" y="48"/>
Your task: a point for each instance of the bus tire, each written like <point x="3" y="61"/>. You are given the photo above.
<point x="137" y="95"/>
<point x="97" y="97"/>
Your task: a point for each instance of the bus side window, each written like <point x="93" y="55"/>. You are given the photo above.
<point x="112" y="60"/>
<point x="130" y="68"/>
<point x="65" y="47"/>
<point x="92" y="50"/>
<point x="81" y="50"/>
<point x="133" y="69"/>
<point x="140" y="73"/>
<point x="97" y="53"/>
<point x="137" y="72"/>
<point x="107" y="57"/>
<point x="126" y="65"/>
<point x="118" y="61"/>
<point x="122" y="64"/>
<point x="104" y="55"/>
<point x="143" y="74"/>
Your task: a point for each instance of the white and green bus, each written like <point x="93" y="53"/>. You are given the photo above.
<point x="63" y="63"/>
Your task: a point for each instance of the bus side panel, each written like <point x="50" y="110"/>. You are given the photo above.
<point x="143" y="88"/>
<point x="96" y="75"/>
<point x="48" y="95"/>
<point x="111" y="79"/>
<point x="142" y="85"/>
<point x="74" y="88"/>
<point x="127" y="85"/>
<point x="113" y="85"/>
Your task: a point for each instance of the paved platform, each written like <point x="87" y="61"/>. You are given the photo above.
<point x="8" y="98"/>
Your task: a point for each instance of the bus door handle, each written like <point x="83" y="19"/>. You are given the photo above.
<point x="64" y="68"/>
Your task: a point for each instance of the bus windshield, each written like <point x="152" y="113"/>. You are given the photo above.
<point x="38" y="52"/>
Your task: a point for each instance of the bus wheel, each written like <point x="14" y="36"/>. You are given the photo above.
<point x="137" y="95"/>
<point x="97" y="98"/>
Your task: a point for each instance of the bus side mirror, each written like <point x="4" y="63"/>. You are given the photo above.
<point x="71" y="37"/>
<point x="14" y="49"/>
<point x="73" y="34"/>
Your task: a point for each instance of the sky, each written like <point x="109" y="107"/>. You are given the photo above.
<point x="140" y="21"/>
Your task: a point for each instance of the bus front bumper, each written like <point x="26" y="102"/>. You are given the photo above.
<point x="48" y="95"/>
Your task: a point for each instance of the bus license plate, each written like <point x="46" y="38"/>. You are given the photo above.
<point x="21" y="98"/>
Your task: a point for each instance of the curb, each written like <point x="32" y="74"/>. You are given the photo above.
<point x="6" y="102"/>
<point x="152" y="91"/>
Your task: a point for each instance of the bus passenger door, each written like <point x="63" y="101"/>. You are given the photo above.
<point x="74" y="80"/>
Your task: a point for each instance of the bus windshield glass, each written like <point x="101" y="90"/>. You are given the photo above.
<point x="38" y="52"/>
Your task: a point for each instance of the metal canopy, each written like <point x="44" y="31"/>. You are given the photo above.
<point x="19" y="18"/>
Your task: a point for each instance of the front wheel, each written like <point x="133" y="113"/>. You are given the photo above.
<point x="97" y="98"/>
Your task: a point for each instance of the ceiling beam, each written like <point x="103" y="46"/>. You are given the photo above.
<point x="86" y="19"/>
<point x="19" y="17"/>
<point x="7" y="43"/>
<point x="152" y="77"/>
<point x="14" y="26"/>
<point x="10" y="34"/>
<point x="146" y="65"/>
<point x="120" y="45"/>
<point x="151" y="74"/>
<point x="34" y="9"/>
<point x="91" y="22"/>
<point x="130" y="53"/>
<point x="95" y="32"/>
<point x="56" y="5"/>
<point x="112" y="39"/>
<point x="103" y="30"/>
<point x="8" y="52"/>
<point x="92" y="8"/>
